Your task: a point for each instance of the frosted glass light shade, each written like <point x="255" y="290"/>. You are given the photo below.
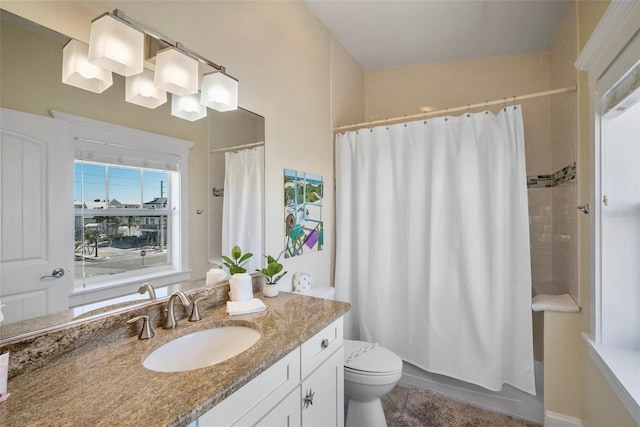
<point x="176" y="72"/>
<point x="219" y="92"/>
<point x="188" y="107"/>
<point x="79" y="72"/>
<point x="116" y="46"/>
<point x="141" y="90"/>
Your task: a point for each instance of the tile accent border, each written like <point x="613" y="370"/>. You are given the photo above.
<point x="561" y="176"/>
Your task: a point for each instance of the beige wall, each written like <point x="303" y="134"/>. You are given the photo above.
<point x="280" y="53"/>
<point x="561" y="370"/>
<point x="347" y="87"/>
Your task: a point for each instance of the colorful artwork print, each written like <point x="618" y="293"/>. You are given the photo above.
<point x="303" y="193"/>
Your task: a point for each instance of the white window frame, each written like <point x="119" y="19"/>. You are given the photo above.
<point x="619" y="24"/>
<point x="108" y="143"/>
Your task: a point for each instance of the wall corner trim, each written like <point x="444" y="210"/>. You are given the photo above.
<point x="604" y="32"/>
<point x="554" y="419"/>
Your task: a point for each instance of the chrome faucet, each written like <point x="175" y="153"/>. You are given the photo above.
<point x="147" y="288"/>
<point x="170" y="321"/>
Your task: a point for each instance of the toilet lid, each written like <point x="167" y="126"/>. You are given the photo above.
<point x="366" y="357"/>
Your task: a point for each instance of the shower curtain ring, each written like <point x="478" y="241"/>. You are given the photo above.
<point x="504" y="106"/>
<point x="468" y="107"/>
<point x="486" y="107"/>
<point x="446" y="110"/>
<point x="514" y="103"/>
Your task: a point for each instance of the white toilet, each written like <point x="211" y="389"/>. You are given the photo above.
<point x="370" y="372"/>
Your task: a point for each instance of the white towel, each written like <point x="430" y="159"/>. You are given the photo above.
<point x="244" y="307"/>
<point x="562" y="303"/>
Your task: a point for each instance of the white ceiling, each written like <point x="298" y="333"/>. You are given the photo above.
<point x="393" y="33"/>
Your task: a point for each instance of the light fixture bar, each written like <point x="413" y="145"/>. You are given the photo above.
<point x="117" y="13"/>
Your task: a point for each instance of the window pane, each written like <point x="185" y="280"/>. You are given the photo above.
<point x="116" y="244"/>
<point x="124" y="187"/>
<point x="107" y="243"/>
<point x="90" y="190"/>
<point x="154" y="191"/>
<point x="620" y="225"/>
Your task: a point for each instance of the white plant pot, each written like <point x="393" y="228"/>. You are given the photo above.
<point x="270" y="291"/>
<point x="241" y="288"/>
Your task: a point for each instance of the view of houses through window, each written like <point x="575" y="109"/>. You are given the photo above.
<point x="121" y="218"/>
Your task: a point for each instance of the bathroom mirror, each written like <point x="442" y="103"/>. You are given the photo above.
<point x="19" y="34"/>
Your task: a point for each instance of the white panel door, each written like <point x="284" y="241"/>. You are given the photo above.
<point x="36" y="215"/>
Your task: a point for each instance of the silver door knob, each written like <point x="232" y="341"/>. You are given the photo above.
<point x="56" y="273"/>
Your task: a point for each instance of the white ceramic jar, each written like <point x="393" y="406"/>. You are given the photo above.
<point x="241" y="287"/>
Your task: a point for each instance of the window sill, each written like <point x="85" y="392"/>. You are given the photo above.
<point x="620" y="367"/>
<point x="106" y="290"/>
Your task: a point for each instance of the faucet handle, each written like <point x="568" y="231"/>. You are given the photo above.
<point x="195" y="313"/>
<point x="145" y="332"/>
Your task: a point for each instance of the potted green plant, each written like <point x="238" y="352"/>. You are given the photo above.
<point x="240" y="284"/>
<point x="270" y="272"/>
<point x="236" y="264"/>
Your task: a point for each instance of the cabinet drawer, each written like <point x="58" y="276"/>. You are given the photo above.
<point x="322" y="345"/>
<point x="264" y="391"/>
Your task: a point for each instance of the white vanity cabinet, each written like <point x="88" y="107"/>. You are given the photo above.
<point x="305" y="388"/>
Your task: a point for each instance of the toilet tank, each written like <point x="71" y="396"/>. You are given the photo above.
<point x="326" y="292"/>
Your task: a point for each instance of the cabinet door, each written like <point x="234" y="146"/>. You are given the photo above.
<point x="285" y="414"/>
<point x="251" y="402"/>
<point x="323" y="393"/>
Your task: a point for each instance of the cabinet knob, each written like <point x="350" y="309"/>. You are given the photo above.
<point x="324" y="344"/>
<point x="308" y="399"/>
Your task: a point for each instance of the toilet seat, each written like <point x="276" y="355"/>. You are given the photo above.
<point x="361" y="358"/>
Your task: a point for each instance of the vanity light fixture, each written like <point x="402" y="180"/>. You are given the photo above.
<point x="176" y="72"/>
<point x="141" y="90"/>
<point x="79" y="72"/>
<point x="188" y="107"/>
<point x="116" y="46"/>
<point x="219" y="92"/>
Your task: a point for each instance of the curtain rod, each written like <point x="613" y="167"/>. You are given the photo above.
<point x="235" y="147"/>
<point x="511" y="99"/>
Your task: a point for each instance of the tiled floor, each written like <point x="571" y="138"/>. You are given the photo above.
<point x="405" y="407"/>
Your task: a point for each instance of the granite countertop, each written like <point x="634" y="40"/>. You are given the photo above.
<point x="107" y="385"/>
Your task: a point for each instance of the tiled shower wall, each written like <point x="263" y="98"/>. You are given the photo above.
<point x="552" y="197"/>
<point x="541" y="234"/>
<point x="552" y="228"/>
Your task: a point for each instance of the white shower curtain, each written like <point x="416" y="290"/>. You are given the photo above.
<point x="242" y="214"/>
<point x="432" y="244"/>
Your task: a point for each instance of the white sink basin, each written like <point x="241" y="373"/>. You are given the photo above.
<point x="201" y="349"/>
